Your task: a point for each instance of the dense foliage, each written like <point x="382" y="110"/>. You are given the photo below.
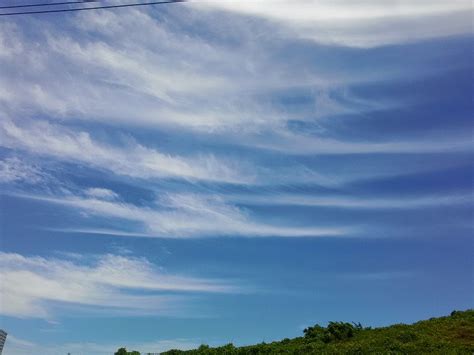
<point x="123" y="351"/>
<point x="446" y="335"/>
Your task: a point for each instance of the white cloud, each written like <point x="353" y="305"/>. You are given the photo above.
<point x="132" y="160"/>
<point x="168" y="78"/>
<point x="9" y="48"/>
<point x="184" y="216"/>
<point x="412" y="202"/>
<point x="32" y="286"/>
<point x="101" y="193"/>
<point x="320" y="10"/>
<point x="16" y="170"/>
<point x="19" y="346"/>
<point x="287" y="142"/>
<point x="359" y="23"/>
<point x="223" y="83"/>
<point x="166" y="81"/>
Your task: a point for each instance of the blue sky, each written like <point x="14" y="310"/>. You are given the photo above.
<point x="232" y="171"/>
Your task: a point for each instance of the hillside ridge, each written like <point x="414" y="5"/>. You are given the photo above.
<point x="453" y="334"/>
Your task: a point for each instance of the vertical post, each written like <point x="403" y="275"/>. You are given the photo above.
<point x="3" y="338"/>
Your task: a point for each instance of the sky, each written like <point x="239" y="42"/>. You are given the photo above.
<point x="232" y="171"/>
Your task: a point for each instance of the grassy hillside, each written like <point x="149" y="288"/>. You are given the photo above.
<point x="453" y="334"/>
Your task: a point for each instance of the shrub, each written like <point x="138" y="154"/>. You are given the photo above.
<point x="339" y="331"/>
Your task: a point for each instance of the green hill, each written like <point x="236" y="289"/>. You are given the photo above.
<point x="446" y="335"/>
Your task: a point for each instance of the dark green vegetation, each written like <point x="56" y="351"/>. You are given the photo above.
<point x="446" y="335"/>
<point x="123" y="351"/>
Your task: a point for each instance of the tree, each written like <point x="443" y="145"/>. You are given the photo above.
<point x="333" y="332"/>
<point x="339" y="331"/>
<point x="204" y="347"/>
<point x="315" y="332"/>
<point x="123" y="351"/>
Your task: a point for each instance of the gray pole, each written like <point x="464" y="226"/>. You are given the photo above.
<point x="3" y="337"/>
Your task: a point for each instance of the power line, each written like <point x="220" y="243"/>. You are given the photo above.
<point x="50" y="4"/>
<point x="92" y="8"/>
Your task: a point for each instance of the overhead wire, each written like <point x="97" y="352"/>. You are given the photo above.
<point x="48" y="4"/>
<point x="91" y="8"/>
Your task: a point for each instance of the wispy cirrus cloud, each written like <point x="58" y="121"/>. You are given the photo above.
<point x="20" y="346"/>
<point x="168" y="78"/>
<point x="131" y="159"/>
<point x="185" y="216"/>
<point x="129" y="82"/>
<point x="290" y="143"/>
<point x="101" y="193"/>
<point x="128" y="158"/>
<point x="13" y="169"/>
<point x="205" y="85"/>
<point x="360" y="23"/>
<point x="33" y="286"/>
<point x="353" y="202"/>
